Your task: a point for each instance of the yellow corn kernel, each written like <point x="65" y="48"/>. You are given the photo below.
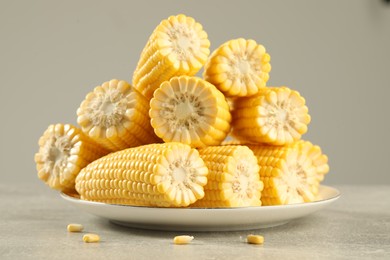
<point x="191" y="111"/>
<point x="233" y="179"/>
<point x="177" y="46"/>
<point x="163" y="175"/>
<point x="63" y="151"/>
<point x="255" y="239"/>
<point x="75" y="227"/>
<point x="91" y="238"/>
<point x="276" y="116"/>
<point x="182" y="240"/>
<point x="116" y="116"/>
<point x="238" y="68"/>
<point x="291" y="174"/>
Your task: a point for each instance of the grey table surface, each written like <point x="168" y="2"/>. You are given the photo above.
<point x="33" y="222"/>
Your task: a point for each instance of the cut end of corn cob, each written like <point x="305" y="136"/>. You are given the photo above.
<point x="190" y="110"/>
<point x="177" y="46"/>
<point x="233" y="179"/>
<point x="276" y="116"/>
<point x="291" y="174"/>
<point x="116" y="116"/>
<point x="163" y="175"/>
<point x="238" y="68"/>
<point x="63" y="151"/>
<point x="319" y="160"/>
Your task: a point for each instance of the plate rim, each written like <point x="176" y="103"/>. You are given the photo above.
<point x="204" y="219"/>
<point x="336" y="196"/>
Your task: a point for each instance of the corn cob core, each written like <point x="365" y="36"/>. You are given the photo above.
<point x="163" y="175"/>
<point x="63" y="151"/>
<point x="276" y="115"/>
<point x="116" y="116"/>
<point x="177" y="46"/>
<point x="190" y="110"/>
<point x="291" y="174"/>
<point x="233" y="179"/>
<point x="238" y="68"/>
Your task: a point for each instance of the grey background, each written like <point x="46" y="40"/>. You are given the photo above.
<point x="335" y="53"/>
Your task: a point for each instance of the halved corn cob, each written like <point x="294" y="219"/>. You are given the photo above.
<point x="233" y="179"/>
<point x="319" y="160"/>
<point x="190" y="110"/>
<point x="177" y="46"/>
<point x="116" y="116"/>
<point x="164" y="175"/>
<point x="63" y="151"/>
<point x="306" y="148"/>
<point x="238" y="68"/>
<point x="291" y="174"/>
<point x="276" y="116"/>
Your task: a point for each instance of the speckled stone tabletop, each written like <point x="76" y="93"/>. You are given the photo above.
<point x="33" y="222"/>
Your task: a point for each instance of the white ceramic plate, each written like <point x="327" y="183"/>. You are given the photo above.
<point x="198" y="219"/>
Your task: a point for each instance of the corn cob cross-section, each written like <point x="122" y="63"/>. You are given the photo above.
<point x="238" y="68"/>
<point x="291" y="174"/>
<point x="190" y="110"/>
<point x="116" y="116"/>
<point x="163" y="175"/>
<point x="233" y="179"/>
<point x="276" y="116"/>
<point x="177" y="46"/>
<point x="319" y="160"/>
<point x="63" y="151"/>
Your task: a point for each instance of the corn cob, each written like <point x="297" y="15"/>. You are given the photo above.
<point x="177" y="46"/>
<point x="313" y="152"/>
<point x="163" y="175"/>
<point x="291" y="174"/>
<point x="233" y="179"/>
<point x="276" y="116"/>
<point x="63" y="151"/>
<point x="238" y="68"/>
<point x="319" y="160"/>
<point x="190" y="110"/>
<point x="115" y="115"/>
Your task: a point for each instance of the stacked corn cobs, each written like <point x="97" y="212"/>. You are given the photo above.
<point x="170" y="139"/>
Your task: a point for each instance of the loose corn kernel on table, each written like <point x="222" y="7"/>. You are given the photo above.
<point x="34" y="219"/>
